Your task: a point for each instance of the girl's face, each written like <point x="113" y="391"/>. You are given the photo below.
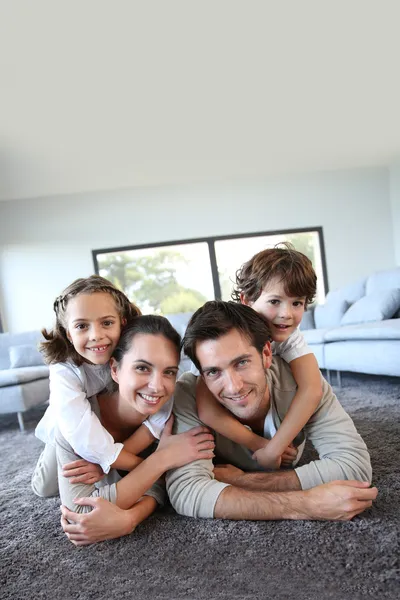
<point x="147" y="373"/>
<point x="93" y="326"/>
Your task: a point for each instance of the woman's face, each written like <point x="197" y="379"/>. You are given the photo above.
<point x="147" y="373"/>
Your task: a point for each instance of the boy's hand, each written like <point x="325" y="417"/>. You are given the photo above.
<point x="82" y="471"/>
<point x="269" y="460"/>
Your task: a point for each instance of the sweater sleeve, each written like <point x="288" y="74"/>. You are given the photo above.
<point x="76" y="420"/>
<point x="341" y="450"/>
<point x="192" y="489"/>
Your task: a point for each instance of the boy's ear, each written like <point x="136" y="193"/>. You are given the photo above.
<point x="244" y="299"/>
<point x="267" y="355"/>
<point x="114" y="369"/>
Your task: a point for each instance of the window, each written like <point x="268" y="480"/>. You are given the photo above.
<point x="178" y="277"/>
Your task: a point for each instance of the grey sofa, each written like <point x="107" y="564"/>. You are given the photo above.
<point x="24" y="378"/>
<point x="358" y="327"/>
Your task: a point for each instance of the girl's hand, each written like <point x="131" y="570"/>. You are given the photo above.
<point x="82" y="471"/>
<point x="183" y="448"/>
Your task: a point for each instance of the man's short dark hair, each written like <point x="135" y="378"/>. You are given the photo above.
<point x="217" y="318"/>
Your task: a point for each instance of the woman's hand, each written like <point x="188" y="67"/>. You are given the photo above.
<point x="183" y="448"/>
<point x="82" y="471"/>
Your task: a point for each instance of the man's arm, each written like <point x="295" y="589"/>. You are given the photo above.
<point x="341" y="450"/>
<point x="335" y="501"/>
<point x="276" y="481"/>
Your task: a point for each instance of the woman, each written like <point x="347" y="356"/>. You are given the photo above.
<point x="144" y="365"/>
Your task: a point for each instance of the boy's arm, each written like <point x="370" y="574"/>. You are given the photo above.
<point x="308" y="396"/>
<point x="218" y="418"/>
<point x="141" y="439"/>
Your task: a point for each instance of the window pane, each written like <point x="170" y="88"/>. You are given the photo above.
<point x="231" y="254"/>
<point x="162" y="280"/>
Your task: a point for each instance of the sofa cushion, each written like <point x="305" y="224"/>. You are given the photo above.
<point x="374" y="307"/>
<point x="330" y="314"/>
<point x="378" y="330"/>
<point x="383" y="280"/>
<point x="307" y="321"/>
<point x="315" y="336"/>
<point x="23" y="375"/>
<point x="25" y="355"/>
<point x="350" y="292"/>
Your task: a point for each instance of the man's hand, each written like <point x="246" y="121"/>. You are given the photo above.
<point x="228" y="474"/>
<point x="82" y="471"/>
<point x="105" y="522"/>
<point x="339" y="500"/>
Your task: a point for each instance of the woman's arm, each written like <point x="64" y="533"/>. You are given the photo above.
<point x="218" y="418"/>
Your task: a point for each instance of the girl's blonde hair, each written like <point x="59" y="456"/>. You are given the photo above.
<point x="57" y="347"/>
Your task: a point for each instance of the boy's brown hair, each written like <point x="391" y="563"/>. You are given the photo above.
<point x="57" y="347"/>
<point x="284" y="262"/>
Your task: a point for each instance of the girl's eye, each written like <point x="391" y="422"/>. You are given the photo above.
<point x="80" y="326"/>
<point x="274" y="302"/>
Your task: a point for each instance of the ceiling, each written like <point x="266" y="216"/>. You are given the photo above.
<point x="98" y="95"/>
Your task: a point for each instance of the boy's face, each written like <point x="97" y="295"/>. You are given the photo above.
<point x="283" y="312"/>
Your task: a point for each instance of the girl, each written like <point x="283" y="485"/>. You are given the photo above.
<point x="278" y="283"/>
<point x="144" y="365"/>
<point x="89" y="316"/>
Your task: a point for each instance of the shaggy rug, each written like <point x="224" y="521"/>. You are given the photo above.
<point x="170" y="556"/>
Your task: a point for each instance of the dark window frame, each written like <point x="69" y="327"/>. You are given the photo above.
<point x="210" y="241"/>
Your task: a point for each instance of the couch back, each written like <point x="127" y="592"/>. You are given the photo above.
<point x="27" y="338"/>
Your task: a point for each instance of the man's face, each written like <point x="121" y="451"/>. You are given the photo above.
<point x="234" y="372"/>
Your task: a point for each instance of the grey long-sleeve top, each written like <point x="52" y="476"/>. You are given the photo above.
<point x="192" y="489"/>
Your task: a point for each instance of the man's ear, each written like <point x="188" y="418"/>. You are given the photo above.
<point x="244" y="299"/>
<point x="114" y="369"/>
<point x="267" y="355"/>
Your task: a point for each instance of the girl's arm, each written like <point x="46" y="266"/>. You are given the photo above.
<point x="76" y="420"/>
<point x="309" y="393"/>
<point x="218" y="418"/>
<point x="141" y="439"/>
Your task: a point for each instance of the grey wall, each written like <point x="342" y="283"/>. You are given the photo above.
<point x="46" y="243"/>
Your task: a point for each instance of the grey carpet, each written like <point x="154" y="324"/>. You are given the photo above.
<point x="175" y="557"/>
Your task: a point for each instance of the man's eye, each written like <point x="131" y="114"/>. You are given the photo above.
<point x="211" y="373"/>
<point x="243" y="363"/>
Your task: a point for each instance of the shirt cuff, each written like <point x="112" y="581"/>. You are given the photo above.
<point x="106" y="465"/>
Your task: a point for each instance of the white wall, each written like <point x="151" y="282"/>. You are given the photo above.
<point x="46" y="243"/>
<point x="395" y="207"/>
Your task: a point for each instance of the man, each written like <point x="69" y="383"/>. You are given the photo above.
<point x="229" y="343"/>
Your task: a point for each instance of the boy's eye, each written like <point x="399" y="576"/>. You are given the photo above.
<point x="298" y="303"/>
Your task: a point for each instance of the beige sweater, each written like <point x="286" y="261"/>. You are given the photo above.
<point x="192" y="489"/>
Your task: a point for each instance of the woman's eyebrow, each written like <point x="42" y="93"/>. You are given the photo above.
<point x="146" y="362"/>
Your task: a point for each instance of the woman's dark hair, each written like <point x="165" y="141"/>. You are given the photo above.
<point x="217" y="318"/>
<point x="149" y="325"/>
<point x="57" y="348"/>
